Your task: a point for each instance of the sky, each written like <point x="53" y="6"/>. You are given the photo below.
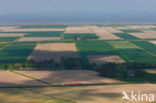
<point x="78" y="9"/>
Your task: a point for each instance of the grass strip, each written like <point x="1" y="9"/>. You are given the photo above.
<point x="30" y="77"/>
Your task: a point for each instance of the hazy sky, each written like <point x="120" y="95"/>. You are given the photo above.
<point x="76" y="6"/>
<point x="78" y="9"/>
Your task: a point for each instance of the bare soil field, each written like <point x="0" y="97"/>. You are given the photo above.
<point x="39" y="39"/>
<point x="11" y="34"/>
<point x="153" y="71"/>
<point x="140" y="26"/>
<point x="103" y="34"/>
<point x="7" y="28"/>
<point x="112" y="30"/>
<point x="153" y="41"/>
<point x="69" y="76"/>
<point x="150" y="32"/>
<point x="33" y="30"/>
<point x="9" y="79"/>
<point x="101" y="59"/>
<point x="54" y="51"/>
<point x="78" y="29"/>
<point x="97" y="94"/>
<point x="144" y="35"/>
<point x="14" y="95"/>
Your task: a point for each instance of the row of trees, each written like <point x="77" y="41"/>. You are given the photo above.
<point x="106" y="70"/>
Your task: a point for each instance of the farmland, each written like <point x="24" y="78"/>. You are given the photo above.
<point x="80" y="35"/>
<point x="59" y="63"/>
<point x="132" y="53"/>
<point x="15" y="54"/>
<point x="44" y="34"/>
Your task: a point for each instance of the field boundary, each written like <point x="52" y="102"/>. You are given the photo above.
<point x="21" y="74"/>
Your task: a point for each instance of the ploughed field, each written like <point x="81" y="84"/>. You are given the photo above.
<point x="92" y="44"/>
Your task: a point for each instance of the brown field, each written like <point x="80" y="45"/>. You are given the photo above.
<point x="101" y="59"/>
<point x="144" y="35"/>
<point x="9" y="79"/>
<point x="11" y="34"/>
<point x="150" y="32"/>
<point x="39" y="39"/>
<point x="54" y="50"/>
<point x="153" y="41"/>
<point x="33" y="29"/>
<point x="153" y="71"/>
<point x="112" y="30"/>
<point x="15" y="95"/>
<point x="78" y="29"/>
<point x="140" y="26"/>
<point x="69" y="76"/>
<point x="97" y="94"/>
<point x="103" y="34"/>
<point x="121" y="27"/>
<point x="7" y="28"/>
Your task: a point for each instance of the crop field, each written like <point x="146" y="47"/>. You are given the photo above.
<point x="3" y="44"/>
<point x="112" y="30"/>
<point x="15" y="53"/>
<point x="125" y="36"/>
<point x="54" y="51"/>
<point x="146" y="45"/>
<point x="80" y="35"/>
<point x="45" y="34"/>
<point x="131" y="30"/>
<point x="76" y="63"/>
<point x="16" y="95"/>
<point x="60" y="77"/>
<point x="32" y="29"/>
<point x="8" y="39"/>
<point x="94" y="48"/>
<point x="101" y="59"/>
<point x="43" y="26"/>
<point x="39" y="39"/>
<point x="132" y="53"/>
<point x="11" y="35"/>
<point x="96" y="94"/>
<point x="9" y="79"/>
<point x="78" y="29"/>
<point x="103" y="34"/>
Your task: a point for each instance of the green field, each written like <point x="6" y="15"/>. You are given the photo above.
<point x="15" y="53"/>
<point x="94" y="47"/>
<point x="146" y="45"/>
<point x="131" y="30"/>
<point x="126" y="36"/>
<point x="82" y="35"/>
<point x="132" y="53"/>
<point x="8" y="39"/>
<point x="45" y="34"/>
